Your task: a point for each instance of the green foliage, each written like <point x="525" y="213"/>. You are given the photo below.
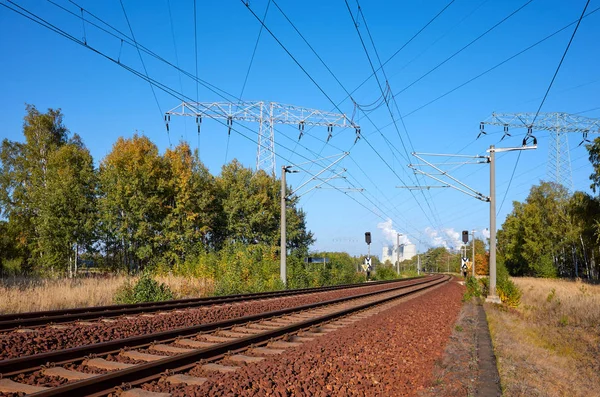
<point x="564" y="320"/>
<point x="506" y="289"/>
<point x="594" y="156"/>
<point x="383" y="272"/>
<point x="146" y="289"/>
<point x="47" y="192"/>
<point x="509" y="293"/>
<point x="132" y="203"/>
<point x="243" y="268"/>
<point x="551" y="295"/>
<point x="474" y="289"/>
<point x="551" y="234"/>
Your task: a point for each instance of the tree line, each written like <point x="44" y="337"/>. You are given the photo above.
<point x="137" y="209"/>
<point x="554" y="233"/>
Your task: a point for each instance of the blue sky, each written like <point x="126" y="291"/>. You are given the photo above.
<point x="102" y="101"/>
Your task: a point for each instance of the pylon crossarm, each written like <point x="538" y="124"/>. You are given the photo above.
<point x="290" y="114"/>
<point x="557" y="121"/>
<point x="262" y="111"/>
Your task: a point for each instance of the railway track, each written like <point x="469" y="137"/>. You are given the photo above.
<point x="184" y="355"/>
<point x="11" y="322"/>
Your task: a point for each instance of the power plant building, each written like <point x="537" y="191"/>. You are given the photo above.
<point x="391" y="252"/>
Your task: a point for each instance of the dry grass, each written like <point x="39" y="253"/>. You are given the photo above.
<point x="18" y="295"/>
<point x="549" y="346"/>
<point x="186" y="287"/>
<point x="569" y="302"/>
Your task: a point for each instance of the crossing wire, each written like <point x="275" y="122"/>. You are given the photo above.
<point x="545" y="96"/>
<point x="386" y="101"/>
<point x="143" y="64"/>
<point x="180" y="96"/>
<point x="324" y="93"/>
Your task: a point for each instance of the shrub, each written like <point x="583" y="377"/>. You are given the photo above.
<point x="383" y="272"/>
<point x="473" y="288"/>
<point x="146" y="289"/>
<point x="508" y="291"/>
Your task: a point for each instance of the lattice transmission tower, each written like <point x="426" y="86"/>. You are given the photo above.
<point x="266" y="114"/>
<point x="559" y="125"/>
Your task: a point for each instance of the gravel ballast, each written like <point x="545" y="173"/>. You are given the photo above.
<point x="45" y="339"/>
<point x="392" y="353"/>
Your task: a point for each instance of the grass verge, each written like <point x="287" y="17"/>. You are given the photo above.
<point x="549" y="345"/>
<point x="28" y="294"/>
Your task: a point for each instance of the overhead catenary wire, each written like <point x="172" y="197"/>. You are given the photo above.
<point x="142" y="61"/>
<point x="249" y="68"/>
<point x="546" y="95"/>
<point x="128" y="40"/>
<point x="465" y="47"/>
<point x="339" y="82"/>
<point x="386" y="101"/>
<point x="319" y="87"/>
<point x="175" y="48"/>
<point x="301" y="67"/>
<point x="196" y="62"/>
<point x="180" y="96"/>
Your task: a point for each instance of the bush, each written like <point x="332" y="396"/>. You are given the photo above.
<point x="383" y="272"/>
<point x="146" y="289"/>
<point x="508" y="291"/>
<point x="247" y="268"/>
<point x="474" y="288"/>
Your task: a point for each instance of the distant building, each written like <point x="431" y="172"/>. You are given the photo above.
<point x="390" y="252"/>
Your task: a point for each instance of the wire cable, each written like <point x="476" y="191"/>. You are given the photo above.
<point x="196" y="60"/>
<point x="465" y="47"/>
<point x="143" y="64"/>
<point x="176" y="54"/>
<point x="417" y="179"/>
<point x="546" y="95"/>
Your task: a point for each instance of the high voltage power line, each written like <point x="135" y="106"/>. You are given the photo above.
<point x="155" y="83"/>
<point x="41" y="21"/>
<point x="320" y="88"/>
<point x="546" y="95"/>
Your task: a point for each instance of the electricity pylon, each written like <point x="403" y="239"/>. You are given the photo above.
<point x="266" y="114"/>
<point x="558" y="124"/>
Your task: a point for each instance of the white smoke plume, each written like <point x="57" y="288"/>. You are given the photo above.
<point x="390" y="234"/>
<point x="447" y="238"/>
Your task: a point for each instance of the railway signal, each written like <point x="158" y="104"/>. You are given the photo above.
<point x="465" y="236"/>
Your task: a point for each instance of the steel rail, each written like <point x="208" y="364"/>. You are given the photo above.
<point x="35" y="362"/>
<point x="29" y="319"/>
<point x="105" y="384"/>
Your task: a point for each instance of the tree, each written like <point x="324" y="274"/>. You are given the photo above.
<point x="193" y="204"/>
<point x="536" y="238"/>
<point x="584" y="212"/>
<point x="23" y="179"/>
<point x="133" y="200"/>
<point x="68" y="212"/>
<point x="594" y="156"/>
